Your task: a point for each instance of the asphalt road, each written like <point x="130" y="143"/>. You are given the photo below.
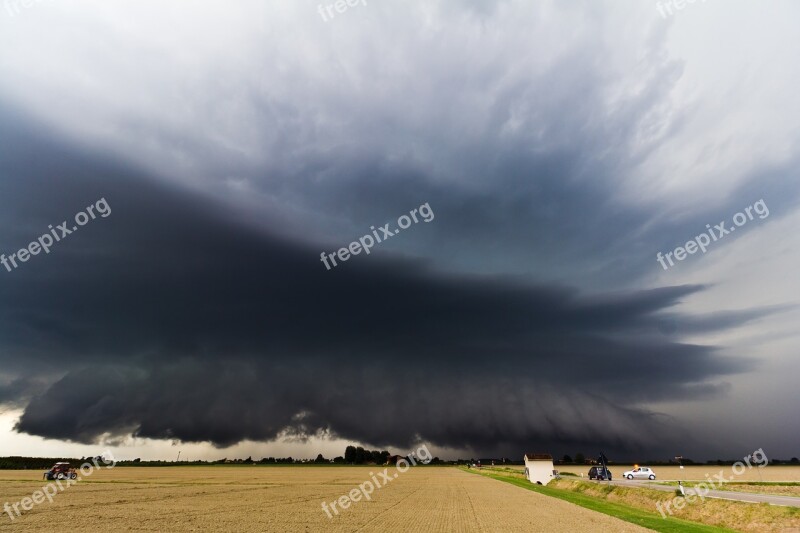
<point x="789" y="501"/>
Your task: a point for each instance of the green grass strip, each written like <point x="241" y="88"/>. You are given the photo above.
<point x="633" y="515"/>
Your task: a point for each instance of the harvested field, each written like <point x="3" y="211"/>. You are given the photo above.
<point x="698" y="473"/>
<point x="766" y="488"/>
<point x="431" y="499"/>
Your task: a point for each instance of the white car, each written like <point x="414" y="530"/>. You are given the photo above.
<point x="641" y="472"/>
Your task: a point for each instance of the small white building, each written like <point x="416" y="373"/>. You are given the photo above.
<point x="539" y="468"/>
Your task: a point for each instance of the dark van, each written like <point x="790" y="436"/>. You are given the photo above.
<point x="600" y="473"/>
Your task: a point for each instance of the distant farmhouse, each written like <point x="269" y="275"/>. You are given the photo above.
<point x="539" y="468"/>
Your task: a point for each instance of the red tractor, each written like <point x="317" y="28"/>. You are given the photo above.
<point x="61" y="471"/>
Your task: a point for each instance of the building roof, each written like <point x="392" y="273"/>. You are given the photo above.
<point x="538" y="457"/>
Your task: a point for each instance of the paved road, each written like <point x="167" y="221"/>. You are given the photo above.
<point x="789" y="501"/>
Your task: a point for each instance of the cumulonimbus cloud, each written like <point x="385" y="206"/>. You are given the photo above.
<point x="172" y="320"/>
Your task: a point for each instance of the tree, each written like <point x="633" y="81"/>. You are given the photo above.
<point x="350" y="455"/>
<point x="566" y="459"/>
<point x="795" y="460"/>
<point x="580" y="459"/>
<point x="360" y="455"/>
<point x="320" y="459"/>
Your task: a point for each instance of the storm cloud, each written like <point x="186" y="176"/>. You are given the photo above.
<point x="172" y="319"/>
<point x="560" y="146"/>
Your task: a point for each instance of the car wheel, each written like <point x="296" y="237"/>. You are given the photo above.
<point x="652" y="477"/>
<point x="73" y="475"/>
<point x="59" y="476"/>
<point x="630" y="476"/>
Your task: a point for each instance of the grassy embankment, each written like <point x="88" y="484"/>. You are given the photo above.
<point x="777" y="488"/>
<point x="638" y="506"/>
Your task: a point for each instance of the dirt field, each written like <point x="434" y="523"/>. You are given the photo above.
<point x="779" y="490"/>
<point x="429" y="499"/>
<point x="698" y="473"/>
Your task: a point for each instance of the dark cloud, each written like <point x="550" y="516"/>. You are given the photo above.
<point x="174" y="319"/>
<point x="18" y="391"/>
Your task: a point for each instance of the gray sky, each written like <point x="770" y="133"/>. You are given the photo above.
<point x="561" y="146"/>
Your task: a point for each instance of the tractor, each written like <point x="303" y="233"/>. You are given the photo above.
<point x="61" y="471"/>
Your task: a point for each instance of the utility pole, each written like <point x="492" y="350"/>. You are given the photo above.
<point x="603" y="460"/>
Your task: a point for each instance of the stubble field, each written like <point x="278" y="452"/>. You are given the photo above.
<point x="773" y="473"/>
<point x="253" y="498"/>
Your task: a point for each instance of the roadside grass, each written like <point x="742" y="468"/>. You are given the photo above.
<point x="735" y="515"/>
<point x="775" y="488"/>
<point x="638" y="506"/>
<point x="624" y="512"/>
<point x="738" y="483"/>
